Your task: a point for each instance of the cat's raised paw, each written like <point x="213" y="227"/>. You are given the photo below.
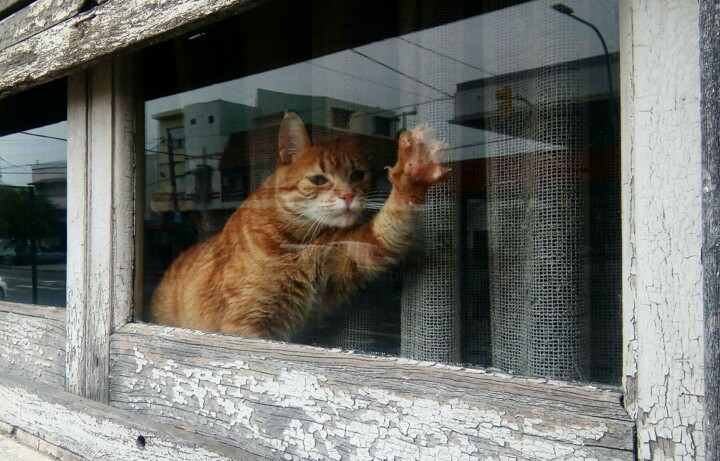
<point x="420" y="155"/>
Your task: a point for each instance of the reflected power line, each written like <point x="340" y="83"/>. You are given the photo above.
<point x="401" y="73"/>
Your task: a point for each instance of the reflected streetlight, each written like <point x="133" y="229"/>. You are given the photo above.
<point x="569" y="12"/>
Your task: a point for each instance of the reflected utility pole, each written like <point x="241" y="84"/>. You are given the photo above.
<point x="32" y="231"/>
<point x="177" y="217"/>
<point x="33" y="243"/>
<point x="173" y="181"/>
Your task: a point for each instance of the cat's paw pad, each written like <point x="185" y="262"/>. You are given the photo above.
<point x="421" y="153"/>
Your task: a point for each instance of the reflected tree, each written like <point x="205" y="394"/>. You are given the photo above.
<point x="21" y="216"/>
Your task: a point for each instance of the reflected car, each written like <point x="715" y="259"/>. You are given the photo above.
<point x="3" y="289"/>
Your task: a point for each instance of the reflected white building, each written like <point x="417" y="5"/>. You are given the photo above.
<point x="216" y="152"/>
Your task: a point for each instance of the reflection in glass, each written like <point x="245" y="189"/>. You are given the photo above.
<point x="33" y="196"/>
<point x="516" y="263"/>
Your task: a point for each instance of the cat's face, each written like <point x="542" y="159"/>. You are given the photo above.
<point x="326" y="183"/>
<point x="330" y="185"/>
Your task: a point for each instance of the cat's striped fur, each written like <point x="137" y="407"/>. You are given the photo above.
<point x="294" y="246"/>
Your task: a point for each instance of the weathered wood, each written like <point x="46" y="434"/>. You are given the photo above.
<point x="33" y="343"/>
<point x="128" y="135"/>
<point x="710" y="106"/>
<point x="277" y="399"/>
<point x="35" y="18"/>
<point x="103" y="222"/>
<point x="112" y="27"/>
<point x="36" y="443"/>
<point x="662" y="234"/>
<point x="78" y="231"/>
<point x="628" y="198"/>
<point x="8" y="6"/>
<point x="93" y="431"/>
<point x="99" y="301"/>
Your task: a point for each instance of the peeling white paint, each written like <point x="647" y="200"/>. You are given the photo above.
<point x="384" y="423"/>
<point x="91" y="432"/>
<point x="139" y="360"/>
<point x="663" y="233"/>
<point x="33" y="345"/>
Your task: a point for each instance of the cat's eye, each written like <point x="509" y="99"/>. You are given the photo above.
<point x="357" y="176"/>
<point x="318" y="179"/>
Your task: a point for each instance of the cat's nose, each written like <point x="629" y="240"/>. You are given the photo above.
<point x="348" y="198"/>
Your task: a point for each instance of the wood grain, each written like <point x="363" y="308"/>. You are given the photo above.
<point x="92" y="431"/>
<point x="102" y="117"/>
<point x="7" y="6"/>
<point x="281" y="399"/>
<point x="34" y="18"/>
<point x="710" y="107"/>
<point x="78" y="232"/>
<point x="33" y="343"/>
<point x="114" y="26"/>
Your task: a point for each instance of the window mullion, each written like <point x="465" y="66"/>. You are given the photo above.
<point x="100" y="228"/>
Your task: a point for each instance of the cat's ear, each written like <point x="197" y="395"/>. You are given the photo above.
<point x="292" y="139"/>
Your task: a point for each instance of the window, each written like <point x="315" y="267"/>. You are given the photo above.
<point x="199" y="373"/>
<point x="516" y="260"/>
<point x="176" y="138"/>
<point x="383" y="126"/>
<point x="33" y="196"/>
<point x="340" y="117"/>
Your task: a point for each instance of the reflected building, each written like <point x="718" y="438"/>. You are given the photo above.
<point x="541" y="195"/>
<point x="214" y="154"/>
<point x="211" y="155"/>
<point x="50" y="181"/>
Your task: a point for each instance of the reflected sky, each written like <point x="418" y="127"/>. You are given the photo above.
<point x="414" y="71"/>
<point x="419" y="72"/>
<point x="18" y="152"/>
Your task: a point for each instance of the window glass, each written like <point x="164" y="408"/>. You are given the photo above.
<point x="511" y="261"/>
<point x="33" y="195"/>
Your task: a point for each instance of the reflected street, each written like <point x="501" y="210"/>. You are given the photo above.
<point x="51" y="284"/>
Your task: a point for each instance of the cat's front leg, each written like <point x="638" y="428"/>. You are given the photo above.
<point x="367" y="251"/>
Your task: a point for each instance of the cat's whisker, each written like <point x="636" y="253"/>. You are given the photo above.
<point x="317" y="231"/>
<point x="310" y="235"/>
<point x="377" y="194"/>
<point x="374" y="202"/>
<point x="249" y="296"/>
<point x="315" y="228"/>
<point x="312" y="221"/>
<point x="372" y="209"/>
<point x="298" y="220"/>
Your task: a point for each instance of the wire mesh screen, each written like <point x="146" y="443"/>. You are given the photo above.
<point x="605" y="270"/>
<point x="515" y="262"/>
<point x="430" y="305"/>
<point x="537" y="222"/>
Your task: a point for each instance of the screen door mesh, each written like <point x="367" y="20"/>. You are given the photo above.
<point x="430" y="306"/>
<point x="537" y="217"/>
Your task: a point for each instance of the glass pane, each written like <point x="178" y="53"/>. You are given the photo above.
<point x="512" y="261"/>
<point x="33" y="195"/>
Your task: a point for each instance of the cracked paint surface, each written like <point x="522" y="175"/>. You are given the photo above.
<point x="664" y="343"/>
<point x="34" y="348"/>
<point x="320" y="420"/>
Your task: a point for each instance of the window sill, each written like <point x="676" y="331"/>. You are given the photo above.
<point x="272" y="398"/>
<point x="32" y="343"/>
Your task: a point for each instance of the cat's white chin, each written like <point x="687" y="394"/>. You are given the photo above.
<point x="345" y="219"/>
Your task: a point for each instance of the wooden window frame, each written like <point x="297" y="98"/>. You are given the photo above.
<point x="169" y="392"/>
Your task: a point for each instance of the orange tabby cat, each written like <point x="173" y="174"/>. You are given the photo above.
<point x="294" y="246"/>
